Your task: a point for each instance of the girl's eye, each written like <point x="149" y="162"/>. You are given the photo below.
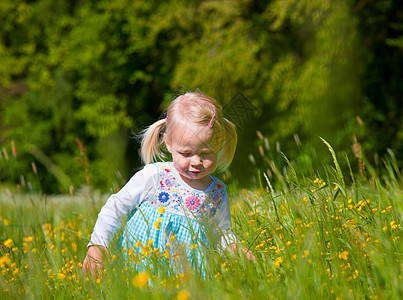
<point x="186" y="154"/>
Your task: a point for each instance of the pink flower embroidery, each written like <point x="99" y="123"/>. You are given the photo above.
<point x="192" y="202"/>
<point x="169" y="182"/>
<point x="219" y="186"/>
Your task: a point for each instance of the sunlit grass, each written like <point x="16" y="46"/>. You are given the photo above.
<point x="312" y="238"/>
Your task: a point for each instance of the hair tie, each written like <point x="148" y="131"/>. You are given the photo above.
<point x="210" y="124"/>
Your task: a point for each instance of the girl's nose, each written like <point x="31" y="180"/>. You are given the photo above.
<point x="196" y="160"/>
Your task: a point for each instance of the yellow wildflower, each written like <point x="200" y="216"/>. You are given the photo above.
<point x="28" y="239"/>
<point x="4" y="260"/>
<point x="61" y="276"/>
<point x="278" y="261"/>
<point x="141" y="280"/>
<point x="344" y="255"/>
<point x="183" y="295"/>
<point x="161" y="210"/>
<point x="8" y="243"/>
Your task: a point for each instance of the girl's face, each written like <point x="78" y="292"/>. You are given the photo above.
<point x="194" y="155"/>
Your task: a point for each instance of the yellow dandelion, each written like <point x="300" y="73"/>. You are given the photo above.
<point x="385" y="228"/>
<point x="61" y="276"/>
<point x="74" y="246"/>
<point x="138" y="244"/>
<point x="183" y="295"/>
<point x="306" y="253"/>
<point x="288" y="243"/>
<point x="166" y="253"/>
<point x="374" y="210"/>
<point x="343" y="255"/>
<point x="8" y="243"/>
<point x="305" y="199"/>
<point x="161" y="210"/>
<point x="278" y="261"/>
<point x="157" y="225"/>
<point x="130" y="253"/>
<point x="141" y="280"/>
<point x="4" y="260"/>
<point x="336" y="187"/>
<point x="28" y="239"/>
<point x="173" y="237"/>
<point x="193" y="246"/>
<point x="389" y="208"/>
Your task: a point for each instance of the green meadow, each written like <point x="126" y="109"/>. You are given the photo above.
<point x="335" y="235"/>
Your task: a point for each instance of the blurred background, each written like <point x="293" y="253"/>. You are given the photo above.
<point x="79" y="78"/>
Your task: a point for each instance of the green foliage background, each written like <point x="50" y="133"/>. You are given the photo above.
<point x="99" y="70"/>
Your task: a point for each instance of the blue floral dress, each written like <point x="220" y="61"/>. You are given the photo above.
<point x="175" y="221"/>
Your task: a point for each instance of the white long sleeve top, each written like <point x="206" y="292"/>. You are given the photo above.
<point x="157" y="184"/>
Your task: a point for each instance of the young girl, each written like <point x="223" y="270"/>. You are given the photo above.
<point x="174" y="202"/>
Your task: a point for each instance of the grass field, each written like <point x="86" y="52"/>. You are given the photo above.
<point x="313" y="238"/>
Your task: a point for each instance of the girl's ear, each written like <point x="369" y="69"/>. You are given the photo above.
<point x="168" y="145"/>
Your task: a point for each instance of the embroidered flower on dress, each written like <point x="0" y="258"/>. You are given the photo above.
<point x="163" y="197"/>
<point x="192" y="202"/>
<point x="169" y="182"/>
<point x="219" y="185"/>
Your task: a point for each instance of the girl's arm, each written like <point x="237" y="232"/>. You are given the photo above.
<point x="139" y="188"/>
<point x="223" y="219"/>
<point x="119" y="205"/>
<point x="229" y="240"/>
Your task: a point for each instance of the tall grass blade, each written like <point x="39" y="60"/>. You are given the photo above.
<point x="336" y="163"/>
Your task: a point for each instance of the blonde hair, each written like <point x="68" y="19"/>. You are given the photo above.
<point x="196" y="108"/>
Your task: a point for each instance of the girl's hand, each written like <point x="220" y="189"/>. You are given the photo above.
<point x="249" y="254"/>
<point x="93" y="262"/>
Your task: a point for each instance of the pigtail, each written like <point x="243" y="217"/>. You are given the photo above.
<point x="229" y="145"/>
<point x="151" y="142"/>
